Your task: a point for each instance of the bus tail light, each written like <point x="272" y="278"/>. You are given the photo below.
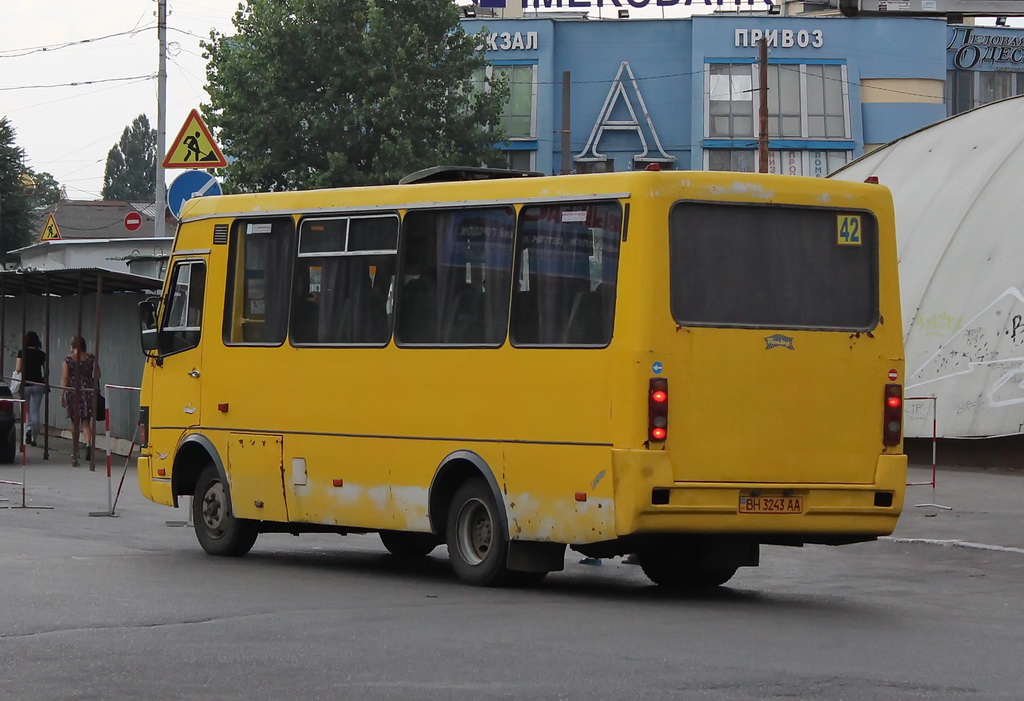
<point x="657" y="410"/>
<point x="892" y="428"/>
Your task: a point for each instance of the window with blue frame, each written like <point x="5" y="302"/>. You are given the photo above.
<point x="805" y="101"/>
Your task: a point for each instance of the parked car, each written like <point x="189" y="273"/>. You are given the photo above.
<point x="8" y="426"/>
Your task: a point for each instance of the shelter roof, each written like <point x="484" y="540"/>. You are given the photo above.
<point x="67" y="282"/>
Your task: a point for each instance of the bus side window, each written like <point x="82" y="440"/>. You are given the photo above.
<point x="344" y="274"/>
<point x="566" y="265"/>
<point x="456" y="271"/>
<point x="182" y="325"/>
<point x="259" y="274"/>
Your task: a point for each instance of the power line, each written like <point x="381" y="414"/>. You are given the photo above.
<point x="16" y="53"/>
<point x="81" y="82"/>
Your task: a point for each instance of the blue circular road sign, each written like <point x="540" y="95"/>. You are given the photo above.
<point x="191" y="183"/>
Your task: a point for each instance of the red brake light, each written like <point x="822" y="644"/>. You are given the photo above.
<point x="657" y="409"/>
<point x="892" y="415"/>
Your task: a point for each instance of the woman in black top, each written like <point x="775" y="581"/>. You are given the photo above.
<point x="32" y="366"/>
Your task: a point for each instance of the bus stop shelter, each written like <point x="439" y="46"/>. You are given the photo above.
<point x="67" y="289"/>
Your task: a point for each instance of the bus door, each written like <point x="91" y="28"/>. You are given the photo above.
<point x="177" y="376"/>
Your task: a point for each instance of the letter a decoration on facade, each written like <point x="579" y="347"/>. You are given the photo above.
<point x="194" y="146"/>
<point x="618" y="114"/>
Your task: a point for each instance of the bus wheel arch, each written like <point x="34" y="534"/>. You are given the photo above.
<point x="194" y="454"/>
<point x="455" y="470"/>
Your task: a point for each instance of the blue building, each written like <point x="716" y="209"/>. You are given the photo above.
<point x="683" y="93"/>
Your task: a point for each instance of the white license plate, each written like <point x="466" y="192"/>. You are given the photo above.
<point x="771" y="505"/>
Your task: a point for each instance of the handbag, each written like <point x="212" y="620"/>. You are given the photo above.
<point x="15" y="382"/>
<point x="101" y="402"/>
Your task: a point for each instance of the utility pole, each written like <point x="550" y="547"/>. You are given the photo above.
<point x="161" y="120"/>
<point x="762" y="111"/>
<point x="566" y="124"/>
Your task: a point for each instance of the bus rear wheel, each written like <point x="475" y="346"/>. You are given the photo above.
<point x="402" y="544"/>
<point x="476" y="546"/>
<point x="218" y="531"/>
<point x="678" y="565"/>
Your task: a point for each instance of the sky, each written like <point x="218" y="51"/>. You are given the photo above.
<point x="110" y="49"/>
<point x="67" y="130"/>
<point x="74" y="74"/>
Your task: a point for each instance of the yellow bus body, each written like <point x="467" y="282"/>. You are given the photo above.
<point x="355" y="437"/>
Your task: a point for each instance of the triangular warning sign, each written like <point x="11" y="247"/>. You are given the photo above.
<point x="50" y="231"/>
<point x="194" y="146"/>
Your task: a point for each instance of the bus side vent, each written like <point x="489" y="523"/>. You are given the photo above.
<point x="220" y="234"/>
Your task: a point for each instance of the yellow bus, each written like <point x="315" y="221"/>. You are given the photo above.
<point x="676" y="365"/>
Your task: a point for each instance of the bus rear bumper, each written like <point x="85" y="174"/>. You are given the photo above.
<point x="648" y="500"/>
<point x="157" y="490"/>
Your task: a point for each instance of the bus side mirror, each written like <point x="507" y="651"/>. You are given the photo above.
<point x="148" y="323"/>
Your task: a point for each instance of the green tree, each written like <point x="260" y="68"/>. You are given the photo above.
<point x="130" y="172"/>
<point x="15" y="203"/>
<point x="350" y="92"/>
<point x="45" y="189"/>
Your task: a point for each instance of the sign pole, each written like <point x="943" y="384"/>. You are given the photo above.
<point x="161" y="120"/>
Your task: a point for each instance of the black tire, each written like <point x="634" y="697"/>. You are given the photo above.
<point x="525" y="579"/>
<point x="403" y="544"/>
<point x="8" y="448"/>
<point x="675" y="567"/>
<point x="218" y="531"/>
<point x="477" y="547"/>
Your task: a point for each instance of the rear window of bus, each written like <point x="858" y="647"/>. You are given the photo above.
<point x="759" y="266"/>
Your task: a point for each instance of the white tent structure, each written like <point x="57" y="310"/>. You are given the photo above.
<point x="958" y="189"/>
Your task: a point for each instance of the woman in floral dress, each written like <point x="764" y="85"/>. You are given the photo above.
<point x="81" y="373"/>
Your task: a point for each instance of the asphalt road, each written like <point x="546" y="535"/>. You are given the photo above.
<point x="96" y="607"/>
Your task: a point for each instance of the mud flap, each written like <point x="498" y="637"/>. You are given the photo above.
<point x="527" y="556"/>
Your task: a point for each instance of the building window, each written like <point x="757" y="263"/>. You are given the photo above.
<point x="970" y="89"/>
<point x="739" y="160"/>
<point x="520" y="160"/>
<point x="605" y="166"/>
<point x="826" y="106"/>
<point x="816" y="164"/>
<point x="805" y="101"/>
<point x="518" y="118"/>
<point x="730" y="100"/>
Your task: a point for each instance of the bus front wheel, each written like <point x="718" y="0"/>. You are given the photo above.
<point x="218" y="531"/>
<point x="476" y="546"/>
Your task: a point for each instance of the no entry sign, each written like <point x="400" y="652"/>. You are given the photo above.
<point x="132" y="221"/>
